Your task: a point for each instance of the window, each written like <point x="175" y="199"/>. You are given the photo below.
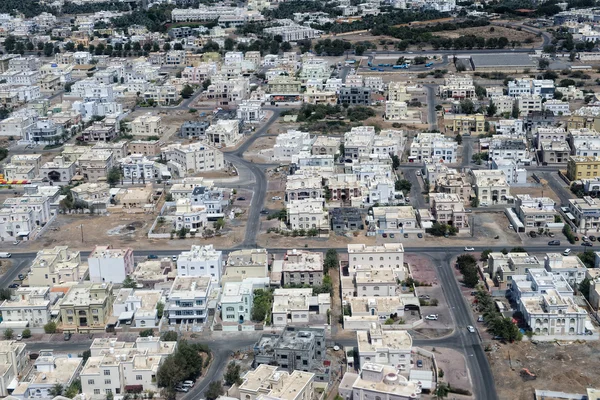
<point x="106" y="372"/>
<point x="107" y="381"/>
<point x="90" y="381"/>
<point x="96" y="391"/>
<point x="138" y="377"/>
<point x="108" y="391"/>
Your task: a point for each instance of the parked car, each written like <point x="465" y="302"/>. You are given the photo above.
<point x="584" y="238"/>
<point x="241" y="198"/>
<point x="152" y="257"/>
<point x="67" y="336"/>
<point x="469" y="249"/>
<point x="587" y="244"/>
<point x="576" y="238"/>
<point x="181" y="389"/>
<point x="471" y="329"/>
<point x="554" y="243"/>
<point x="13" y="285"/>
<point x="174" y="258"/>
<point x="405" y="235"/>
<point x="418" y="173"/>
<point x="432" y="317"/>
<point x="19" y="337"/>
<point x="419" y="363"/>
<point x="264" y="212"/>
<point x="592" y="238"/>
<point x="384" y="235"/>
<point x="16" y="242"/>
<point x="480" y="319"/>
<point x="566" y="252"/>
<point x="420" y="235"/>
<point x="188" y="384"/>
<point x="275" y="198"/>
<point x="424" y="296"/>
<point x="21" y="276"/>
<point x="551" y="234"/>
<point x="392" y="235"/>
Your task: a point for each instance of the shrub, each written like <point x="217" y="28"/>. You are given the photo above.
<point x="50" y="327"/>
<point x="26" y="333"/>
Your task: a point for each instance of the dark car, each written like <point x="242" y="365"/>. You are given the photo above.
<point x="13" y="285"/>
<point x="264" y="212"/>
<point x="554" y="243"/>
<point x="406" y="235"/>
<point x="420" y="363"/>
<point x="67" y="336"/>
<point x="241" y="198"/>
<point x="420" y="235"/>
<point x="587" y="244"/>
<point x="21" y="276"/>
<point x="592" y="238"/>
<point x="152" y="256"/>
<point x="384" y="235"/>
<point x="576" y="238"/>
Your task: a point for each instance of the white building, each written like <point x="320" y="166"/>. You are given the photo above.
<point x="393" y="348"/>
<point x="201" y="261"/>
<point x="395" y="110"/>
<point x="433" y="147"/>
<point x="385" y="256"/>
<point x="378" y="381"/>
<point x="137" y="308"/>
<point x="187" y="302"/>
<point x="236" y="301"/>
<point x="31" y="304"/>
<point x="295" y="306"/>
<point x="225" y="133"/>
<point x="547" y="304"/>
<point x="307" y="214"/>
<point x="110" y="265"/>
<point x="491" y="187"/>
<point x="557" y="107"/>
<point x="291" y="143"/>
<point x="184" y="159"/>
<point x="250" y="111"/>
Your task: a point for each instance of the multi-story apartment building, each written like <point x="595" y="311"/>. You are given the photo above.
<point x="449" y="209"/>
<point x="384" y="257"/>
<point x="307" y="214"/>
<point x="145" y="147"/>
<point x="31" y="304"/>
<point x="95" y="165"/>
<point x="99" y="132"/>
<point x="301" y="267"/>
<point x="586" y="214"/>
<point x="354" y="96"/>
<point x="291" y="143"/>
<point x="247" y="263"/>
<point x="236" y="301"/>
<point x="192" y="158"/>
<point x="294" y="349"/>
<point x="224" y="133"/>
<point x="117" y="367"/>
<point x="107" y="264"/>
<point x="571" y="268"/>
<point x="22" y="218"/>
<point x="457" y="87"/>
<point x="390" y="348"/>
<point x="378" y="381"/>
<point x="269" y="381"/>
<point x="400" y="219"/>
<point x="465" y="124"/>
<point x="57" y="265"/>
<point x="298" y="306"/>
<point x="395" y="110"/>
<point x="547" y="304"/>
<point x="529" y="103"/>
<point x="87" y="307"/>
<point x="433" y="147"/>
<point x="137" y="308"/>
<point x="535" y="212"/>
<point x="491" y="187"/>
<point x="188" y="300"/>
<point x="397" y="92"/>
<point x="583" y="167"/>
<point x="146" y="125"/>
<point x="201" y="261"/>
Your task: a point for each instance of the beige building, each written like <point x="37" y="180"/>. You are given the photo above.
<point x="326" y="145"/>
<point x="268" y="382"/>
<point x="397" y="92"/>
<point x="13" y="361"/>
<point x="192" y="158"/>
<point x="295" y="306"/>
<point x="448" y="209"/>
<point x="491" y="187"/>
<point x="453" y="182"/>
<point x="95" y="165"/>
<point x="393" y="348"/>
<point x="55" y="266"/>
<point x="395" y="110"/>
<point x="246" y="263"/>
<point x="284" y="85"/>
<point x="375" y="282"/>
<point x="145" y="147"/>
<point x="147" y="125"/>
<point x="87" y="307"/>
<point x="307" y="214"/>
<point x="301" y="267"/>
<point x="30" y="304"/>
<point x="384" y="256"/>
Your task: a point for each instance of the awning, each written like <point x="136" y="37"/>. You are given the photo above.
<point x="23" y="233"/>
<point x="13" y="384"/>
<point x="126" y="316"/>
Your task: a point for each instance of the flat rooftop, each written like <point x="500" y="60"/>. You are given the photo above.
<point x="502" y="60"/>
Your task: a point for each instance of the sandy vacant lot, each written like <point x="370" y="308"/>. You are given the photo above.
<point x="567" y="368"/>
<point x="498" y="31"/>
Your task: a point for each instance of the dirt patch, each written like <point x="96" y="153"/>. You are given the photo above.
<point x="5" y="266"/>
<point x="261" y="150"/>
<point x="488" y="32"/>
<point x="574" y="367"/>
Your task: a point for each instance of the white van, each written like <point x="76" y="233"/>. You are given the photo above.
<point x="566" y="252"/>
<point x="5" y="255"/>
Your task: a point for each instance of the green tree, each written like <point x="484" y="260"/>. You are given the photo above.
<point x="219" y="224"/>
<point x="491" y="109"/>
<point x="169" y="336"/>
<point x="588" y="258"/>
<point x="128" y="282"/>
<point x="85" y="355"/>
<point x="56" y="390"/>
<point x="515" y="110"/>
<point x="50" y="327"/>
<point x="146" y="333"/>
<point x="26" y="333"/>
<point x="403" y="185"/>
<point x="215" y="389"/>
<point x="458" y="138"/>
<point x="467" y="106"/>
<point x="584" y="288"/>
<point x="331" y="260"/>
<point x="485" y="254"/>
<point x="232" y="375"/>
<point x="187" y="92"/>
<point x="114" y="176"/>
<point x="160" y="309"/>
<point x="543" y="63"/>
<point x="261" y="305"/>
<point x="5" y="294"/>
<point x="442" y="390"/>
<point x="395" y="161"/>
<point x="8" y="334"/>
<point x="205" y="84"/>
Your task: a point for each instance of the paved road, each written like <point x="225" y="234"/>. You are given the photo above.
<point x="431" y="103"/>
<point x="416" y="197"/>
<point x="467" y="153"/>
<point x="259" y="186"/>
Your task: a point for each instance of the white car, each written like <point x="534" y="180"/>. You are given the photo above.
<point x="275" y="198"/>
<point x="469" y="249"/>
<point x="174" y="258"/>
<point x="432" y="317"/>
<point x="471" y="329"/>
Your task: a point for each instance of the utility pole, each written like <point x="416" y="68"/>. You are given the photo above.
<point x="81" y="227"/>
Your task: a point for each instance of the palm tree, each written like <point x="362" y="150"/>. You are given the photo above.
<point x="56" y="390"/>
<point x="442" y="391"/>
